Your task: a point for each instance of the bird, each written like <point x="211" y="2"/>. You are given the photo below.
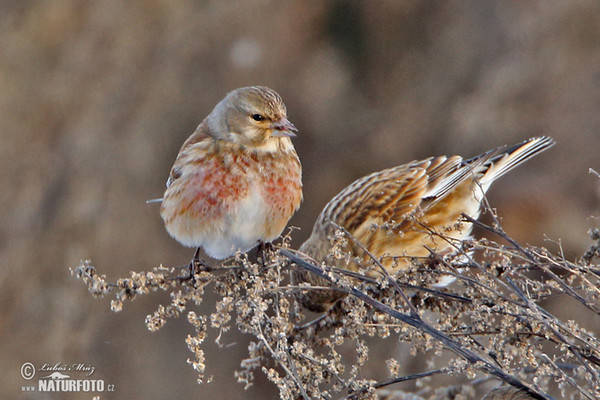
<point x="394" y="214"/>
<point x="237" y="180"/>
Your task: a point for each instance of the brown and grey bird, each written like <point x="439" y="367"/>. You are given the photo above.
<point x="237" y="179"/>
<point x="393" y="212"/>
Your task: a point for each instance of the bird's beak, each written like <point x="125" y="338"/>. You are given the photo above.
<point x="284" y="128"/>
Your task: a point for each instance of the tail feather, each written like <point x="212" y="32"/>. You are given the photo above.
<point x="501" y="160"/>
<point x="486" y="167"/>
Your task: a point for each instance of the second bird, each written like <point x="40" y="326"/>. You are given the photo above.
<point x="403" y="212"/>
<point x="237" y="179"/>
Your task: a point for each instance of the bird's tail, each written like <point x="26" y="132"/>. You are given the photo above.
<point x="499" y="161"/>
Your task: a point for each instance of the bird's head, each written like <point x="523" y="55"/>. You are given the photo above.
<point x="254" y="117"/>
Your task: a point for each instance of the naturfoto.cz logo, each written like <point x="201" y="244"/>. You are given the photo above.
<point x="58" y="378"/>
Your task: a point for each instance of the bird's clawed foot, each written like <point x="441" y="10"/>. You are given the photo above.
<point x="197" y="265"/>
<point x="263" y="248"/>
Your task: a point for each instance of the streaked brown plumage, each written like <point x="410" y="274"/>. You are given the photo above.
<point x="237" y="179"/>
<point x="387" y="211"/>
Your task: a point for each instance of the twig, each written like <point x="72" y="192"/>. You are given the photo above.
<point x="290" y="373"/>
<point x="383" y="270"/>
<point x="537" y="309"/>
<point x="416" y="322"/>
<point x="567" y="377"/>
<point x="400" y="379"/>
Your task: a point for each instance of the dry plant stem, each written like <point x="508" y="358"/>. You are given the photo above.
<point x="535" y="257"/>
<point x="291" y="373"/>
<point x="364" y="278"/>
<point x="494" y="324"/>
<point x="317" y="362"/>
<point x="544" y="315"/>
<point x="400" y="379"/>
<point x="416" y="322"/>
<point x="460" y="251"/>
<point x="547" y="316"/>
<point x="471" y="281"/>
<point x="566" y="377"/>
<point x="320" y="323"/>
<point x="411" y="377"/>
<point x="570" y="269"/>
<point x="500" y="232"/>
<point x="532" y="259"/>
<point x="452" y="242"/>
<point x="384" y="271"/>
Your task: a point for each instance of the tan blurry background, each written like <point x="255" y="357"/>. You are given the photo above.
<point x="97" y="96"/>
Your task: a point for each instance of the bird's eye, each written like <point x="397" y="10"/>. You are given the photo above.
<point x="258" y="117"/>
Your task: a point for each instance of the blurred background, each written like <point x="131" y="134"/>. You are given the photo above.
<point x="96" y="97"/>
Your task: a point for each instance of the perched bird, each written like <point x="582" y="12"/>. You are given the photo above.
<point x="237" y="179"/>
<point x="392" y="213"/>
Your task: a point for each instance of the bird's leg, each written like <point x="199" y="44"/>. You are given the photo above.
<point x="263" y="247"/>
<point x="197" y="265"/>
